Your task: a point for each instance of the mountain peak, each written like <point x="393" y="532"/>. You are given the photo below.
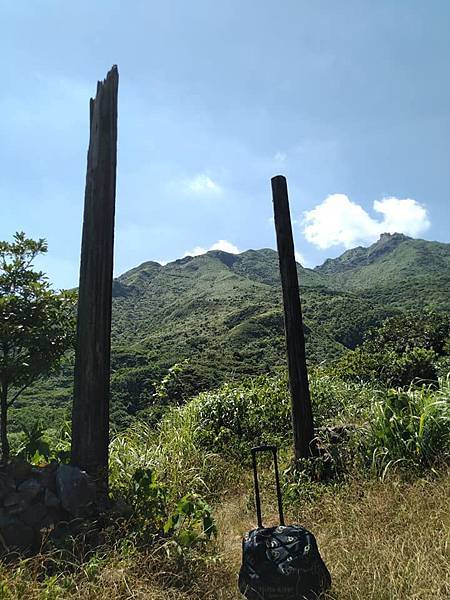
<point x="387" y="243"/>
<point x="393" y="237"/>
<point x="227" y="258"/>
<point x="360" y="256"/>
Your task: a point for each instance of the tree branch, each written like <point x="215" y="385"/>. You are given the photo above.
<point x="17" y="394"/>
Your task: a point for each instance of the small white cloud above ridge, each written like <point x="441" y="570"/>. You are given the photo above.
<point x="300" y="258"/>
<point x="223" y="245"/>
<point x="195" y="251"/>
<point x="280" y="157"/>
<point x="340" y="221"/>
<point x="202" y="184"/>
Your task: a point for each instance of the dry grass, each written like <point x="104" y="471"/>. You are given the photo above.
<point x="385" y="541"/>
<point x="388" y="541"/>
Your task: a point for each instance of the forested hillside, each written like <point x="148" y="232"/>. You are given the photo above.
<point x="397" y="270"/>
<point x="222" y="313"/>
<point x="219" y="302"/>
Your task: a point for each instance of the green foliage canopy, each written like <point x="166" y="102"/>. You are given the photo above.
<point x="405" y="348"/>
<point x="37" y="325"/>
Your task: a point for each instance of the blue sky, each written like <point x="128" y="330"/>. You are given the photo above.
<point x="350" y="100"/>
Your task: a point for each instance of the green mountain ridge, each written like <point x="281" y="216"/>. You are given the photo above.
<point x="223" y="313"/>
<point x="397" y="270"/>
<point x="362" y="256"/>
<point x="231" y="303"/>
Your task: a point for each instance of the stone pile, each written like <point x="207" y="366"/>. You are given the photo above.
<point x="37" y="503"/>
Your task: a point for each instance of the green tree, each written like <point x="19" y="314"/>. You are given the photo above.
<point x="37" y="324"/>
<point x="427" y="329"/>
<point x="404" y="348"/>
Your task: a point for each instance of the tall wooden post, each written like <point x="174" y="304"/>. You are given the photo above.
<point x="302" y="417"/>
<point x="90" y="417"/>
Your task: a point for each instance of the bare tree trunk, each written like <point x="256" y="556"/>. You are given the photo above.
<point x="302" y="417"/>
<point x="4" y="423"/>
<point x="90" y="417"/>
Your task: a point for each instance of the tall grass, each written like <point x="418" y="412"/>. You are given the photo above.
<point x="410" y="428"/>
<point x="173" y="453"/>
<point x="380" y="540"/>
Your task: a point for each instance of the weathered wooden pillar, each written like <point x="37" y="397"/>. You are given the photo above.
<point x="90" y="416"/>
<point x="302" y="417"/>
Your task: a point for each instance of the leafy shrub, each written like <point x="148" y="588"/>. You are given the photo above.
<point x="417" y="364"/>
<point x="160" y="474"/>
<point x="428" y="329"/>
<point x="443" y="366"/>
<point x="34" y="442"/>
<point x="149" y="500"/>
<point x="147" y="390"/>
<point x="404" y="349"/>
<point x="234" y="418"/>
<point x="179" y="383"/>
<point x="189" y="524"/>
<point x="335" y="401"/>
<point x="39" y="445"/>
<point x="131" y="390"/>
<point x="386" y="367"/>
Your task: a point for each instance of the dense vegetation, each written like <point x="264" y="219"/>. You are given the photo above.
<point x="384" y="457"/>
<point x="409" y="347"/>
<point x="198" y="380"/>
<point x="222" y="313"/>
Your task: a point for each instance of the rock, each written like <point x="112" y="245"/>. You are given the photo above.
<point x="15" y="535"/>
<point x="7" y="486"/>
<point x="53" y="517"/>
<point x="34" y="515"/>
<point x="51" y="500"/>
<point x="30" y="487"/>
<point x="61" y="530"/>
<point x="16" y="502"/>
<point x="39" y="517"/>
<point x="47" y="476"/>
<point x="75" y="491"/>
<point x="41" y="504"/>
<point x="19" y="469"/>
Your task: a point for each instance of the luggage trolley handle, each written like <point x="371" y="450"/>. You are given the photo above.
<point x="272" y="449"/>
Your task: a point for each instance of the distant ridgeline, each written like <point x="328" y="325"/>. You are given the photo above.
<point x="223" y="313"/>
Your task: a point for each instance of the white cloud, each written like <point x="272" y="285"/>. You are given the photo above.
<point x="300" y="259"/>
<point x="202" y="184"/>
<point x="280" y="157"/>
<point x="195" y="251"/>
<point x="340" y="221"/>
<point x="223" y="245"/>
<point x="404" y="216"/>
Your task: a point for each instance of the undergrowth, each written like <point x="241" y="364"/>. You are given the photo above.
<point x="375" y="495"/>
